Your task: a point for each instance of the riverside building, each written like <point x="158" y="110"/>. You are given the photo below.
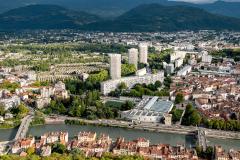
<point x="150" y="109"/>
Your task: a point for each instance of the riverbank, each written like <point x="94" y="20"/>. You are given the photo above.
<point x="37" y="121"/>
<point x="9" y="126"/>
<point x="119" y="124"/>
<point x="177" y="129"/>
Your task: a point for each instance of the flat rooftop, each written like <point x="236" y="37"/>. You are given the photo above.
<point x="162" y="106"/>
<point x="157" y="105"/>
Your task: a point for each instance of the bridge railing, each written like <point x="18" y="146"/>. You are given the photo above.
<point x="23" y="128"/>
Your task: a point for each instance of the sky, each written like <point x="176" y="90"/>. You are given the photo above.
<point x="206" y="1"/>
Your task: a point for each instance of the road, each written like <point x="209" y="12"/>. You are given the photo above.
<point x="179" y="129"/>
<point x="118" y="123"/>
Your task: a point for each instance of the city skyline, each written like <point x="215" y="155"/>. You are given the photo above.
<point x="120" y="79"/>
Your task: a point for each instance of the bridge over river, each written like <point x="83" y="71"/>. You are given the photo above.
<point x="23" y="128"/>
<point x="201" y="138"/>
<point x="200" y="133"/>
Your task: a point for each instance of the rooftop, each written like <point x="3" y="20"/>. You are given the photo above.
<point x="158" y="105"/>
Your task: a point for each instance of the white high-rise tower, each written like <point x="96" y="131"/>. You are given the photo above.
<point x="143" y="53"/>
<point x="133" y="56"/>
<point x="115" y="66"/>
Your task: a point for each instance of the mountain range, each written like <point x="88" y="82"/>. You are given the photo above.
<point x="155" y="17"/>
<point x="44" y="17"/>
<point x="144" y="18"/>
<point x="114" y="8"/>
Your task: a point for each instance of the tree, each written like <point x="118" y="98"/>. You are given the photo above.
<point x="127" y="106"/>
<point x="57" y="106"/>
<point x="195" y="119"/>
<point x="135" y="93"/>
<point x="23" y="110"/>
<point x="20" y="110"/>
<point x="179" y="98"/>
<point x="59" y="148"/>
<point x="107" y="113"/>
<point x="152" y="87"/>
<point x="9" y="86"/>
<point x="205" y="154"/>
<point x="36" y="84"/>
<point x="61" y="108"/>
<point x="2" y="110"/>
<point x="98" y="77"/>
<point x="234" y="116"/>
<point x="176" y="114"/>
<point x="191" y="116"/>
<point x="141" y="65"/>
<point x="167" y="82"/>
<point x="209" y="152"/>
<point x="122" y="86"/>
<point x="43" y="66"/>
<point x="158" y="84"/>
<point x="75" y="110"/>
<point x="154" y="71"/>
<point x="128" y="69"/>
<point x="77" y="153"/>
<point x="30" y="150"/>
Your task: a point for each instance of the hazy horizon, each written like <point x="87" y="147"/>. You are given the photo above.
<point x="205" y="1"/>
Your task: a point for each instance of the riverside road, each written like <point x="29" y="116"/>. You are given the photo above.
<point x="179" y="129"/>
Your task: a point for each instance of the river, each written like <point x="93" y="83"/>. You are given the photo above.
<point x="7" y="134"/>
<point x="129" y="134"/>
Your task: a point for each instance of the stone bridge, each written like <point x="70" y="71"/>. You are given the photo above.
<point x="201" y="138"/>
<point x="23" y="128"/>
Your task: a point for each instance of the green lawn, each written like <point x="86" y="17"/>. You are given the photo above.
<point x="115" y="104"/>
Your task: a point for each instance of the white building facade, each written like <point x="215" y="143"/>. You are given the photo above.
<point x="206" y="58"/>
<point x="133" y="57"/>
<point x="111" y="85"/>
<point x="183" y="72"/>
<point x="115" y="66"/>
<point x="143" y="53"/>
